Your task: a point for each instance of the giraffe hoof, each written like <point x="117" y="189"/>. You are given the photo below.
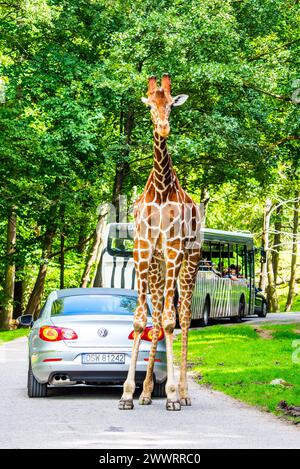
<point x="145" y="400"/>
<point x="186" y="401"/>
<point x="173" y="405"/>
<point x="126" y="404"/>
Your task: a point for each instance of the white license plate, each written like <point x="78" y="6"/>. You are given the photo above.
<point x="103" y="358"/>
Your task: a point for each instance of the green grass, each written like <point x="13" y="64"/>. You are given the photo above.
<point x="6" y="336"/>
<point x="239" y="362"/>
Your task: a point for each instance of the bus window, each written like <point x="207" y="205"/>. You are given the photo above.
<point x="241" y="260"/>
<point x="249" y="264"/>
<point x="205" y="262"/>
<point x="216" y="259"/>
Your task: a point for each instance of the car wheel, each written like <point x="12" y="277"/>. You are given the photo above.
<point x="34" y="388"/>
<point x="159" y="389"/>
<point x="264" y="310"/>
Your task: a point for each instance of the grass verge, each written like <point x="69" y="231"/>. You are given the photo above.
<point x="6" y="336"/>
<point x="241" y="362"/>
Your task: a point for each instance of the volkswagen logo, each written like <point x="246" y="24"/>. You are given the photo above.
<point x="102" y="332"/>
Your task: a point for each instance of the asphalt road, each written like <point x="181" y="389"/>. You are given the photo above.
<point x="86" y="417"/>
<point x="276" y="318"/>
<point x="280" y="318"/>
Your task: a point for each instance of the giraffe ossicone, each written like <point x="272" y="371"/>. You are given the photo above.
<point x="166" y="248"/>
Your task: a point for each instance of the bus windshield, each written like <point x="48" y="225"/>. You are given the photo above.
<point x="120" y="241"/>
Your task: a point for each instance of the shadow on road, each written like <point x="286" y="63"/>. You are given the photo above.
<point x="87" y="392"/>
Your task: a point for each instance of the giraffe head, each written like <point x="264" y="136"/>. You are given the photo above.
<point x="160" y="103"/>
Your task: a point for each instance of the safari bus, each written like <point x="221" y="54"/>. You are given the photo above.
<point x="225" y="283"/>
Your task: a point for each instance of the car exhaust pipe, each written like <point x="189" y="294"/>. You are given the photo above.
<point x="62" y="380"/>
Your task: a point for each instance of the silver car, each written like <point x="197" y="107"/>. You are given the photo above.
<point x="84" y="336"/>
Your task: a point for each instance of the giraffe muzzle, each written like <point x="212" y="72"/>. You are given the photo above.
<point x="163" y="130"/>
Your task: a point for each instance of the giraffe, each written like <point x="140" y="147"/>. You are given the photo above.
<point x="166" y="246"/>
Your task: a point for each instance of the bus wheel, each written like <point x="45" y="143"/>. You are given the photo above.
<point x="239" y="317"/>
<point x="264" y="310"/>
<point x="205" y="316"/>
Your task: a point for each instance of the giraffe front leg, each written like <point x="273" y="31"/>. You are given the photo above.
<point x="173" y="402"/>
<point x="140" y="320"/>
<point x="174" y="257"/>
<point x="148" y="385"/>
<point x="126" y="401"/>
<point x="156" y="281"/>
<point x="139" y="324"/>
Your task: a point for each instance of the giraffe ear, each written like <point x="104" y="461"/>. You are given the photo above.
<point x="145" y="100"/>
<point x="180" y="99"/>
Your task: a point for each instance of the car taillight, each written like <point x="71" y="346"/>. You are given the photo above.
<point x="148" y="334"/>
<point x="54" y="334"/>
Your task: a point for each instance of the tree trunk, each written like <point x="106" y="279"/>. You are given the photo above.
<point x="123" y="168"/>
<point x="122" y="171"/>
<point x="267" y="275"/>
<point x="204" y="200"/>
<point x="93" y="257"/>
<point x="97" y="273"/>
<point x="62" y="248"/>
<point x="82" y="231"/>
<point x="291" y="293"/>
<point x="265" y="244"/>
<point x="38" y="289"/>
<point x="277" y="241"/>
<point x="273" y="304"/>
<point x="18" y="298"/>
<point x="20" y="287"/>
<point x="9" y="285"/>
<point x="62" y="261"/>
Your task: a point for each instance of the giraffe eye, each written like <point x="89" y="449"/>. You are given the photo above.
<point x="149" y="106"/>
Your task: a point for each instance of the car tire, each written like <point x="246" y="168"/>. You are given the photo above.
<point x="159" y="389"/>
<point x="264" y="310"/>
<point x="34" y="388"/>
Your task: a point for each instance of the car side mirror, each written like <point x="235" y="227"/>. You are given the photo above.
<point x="26" y="320"/>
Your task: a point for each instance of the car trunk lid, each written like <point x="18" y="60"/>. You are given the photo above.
<point x="98" y="331"/>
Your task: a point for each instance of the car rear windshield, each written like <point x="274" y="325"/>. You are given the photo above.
<point x="94" y="304"/>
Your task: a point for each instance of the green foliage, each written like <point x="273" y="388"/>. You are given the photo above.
<point x="72" y="119"/>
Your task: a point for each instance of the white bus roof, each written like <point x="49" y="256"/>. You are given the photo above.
<point x="228" y="236"/>
<point x="209" y="234"/>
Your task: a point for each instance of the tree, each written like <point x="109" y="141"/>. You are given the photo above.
<point x="7" y="310"/>
<point x="74" y="133"/>
<point x="295" y="241"/>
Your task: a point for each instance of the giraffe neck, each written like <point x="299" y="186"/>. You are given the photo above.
<point x="163" y="173"/>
